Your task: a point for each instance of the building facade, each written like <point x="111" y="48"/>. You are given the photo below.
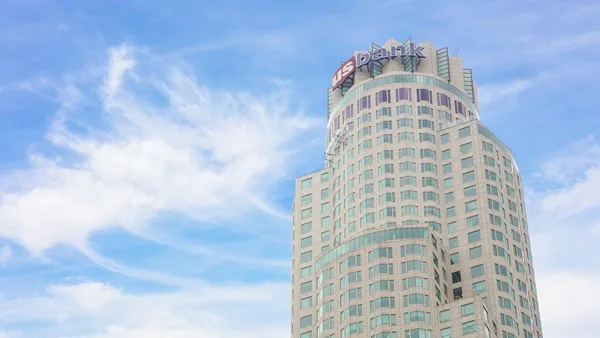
<point x="416" y="227"/>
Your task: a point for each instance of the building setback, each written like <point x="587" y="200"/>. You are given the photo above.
<point x="416" y="227"/>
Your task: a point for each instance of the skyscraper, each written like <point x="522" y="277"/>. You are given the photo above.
<point x="416" y="227"/>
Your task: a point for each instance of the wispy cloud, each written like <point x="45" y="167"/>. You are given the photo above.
<point x="94" y="310"/>
<point x="563" y="211"/>
<point x="5" y="254"/>
<point x="493" y="93"/>
<point x="205" y="154"/>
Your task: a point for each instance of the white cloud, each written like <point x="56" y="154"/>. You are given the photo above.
<point x="494" y="93"/>
<point x="167" y="144"/>
<point x="5" y="254"/>
<point x="94" y="310"/>
<point x="569" y="163"/>
<point x="563" y="212"/>
<point x="569" y="303"/>
<point x="120" y="62"/>
<point x="595" y="229"/>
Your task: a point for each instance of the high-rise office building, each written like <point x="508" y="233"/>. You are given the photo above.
<point x="416" y="227"/>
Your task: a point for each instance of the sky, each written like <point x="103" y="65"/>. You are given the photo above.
<point x="149" y="151"/>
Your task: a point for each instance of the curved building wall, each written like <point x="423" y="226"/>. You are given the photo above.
<point x="410" y="167"/>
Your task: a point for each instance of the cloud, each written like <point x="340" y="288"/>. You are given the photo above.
<point x="595" y="229"/>
<point x="160" y="142"/>
<point x="94" y="310"/>
<point x="5" y="254"/>
<point x="563" y="212"/>
<point x="569" y="303"/>
<point x="491" y="94"/>
<point x="569" y="163"/>
<point x="120" y="62"/>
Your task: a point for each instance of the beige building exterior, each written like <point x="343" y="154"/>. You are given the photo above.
<point x="416" y="227"/>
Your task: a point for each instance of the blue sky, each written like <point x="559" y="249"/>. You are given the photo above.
<point x="150" y="149"/>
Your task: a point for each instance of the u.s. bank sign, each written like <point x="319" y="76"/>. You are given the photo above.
<point x="363" y="59"/>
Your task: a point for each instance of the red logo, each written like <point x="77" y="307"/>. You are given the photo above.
<point x="346" y="69"/>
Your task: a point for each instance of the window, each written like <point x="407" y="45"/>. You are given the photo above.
<point x="306" y="227"/>
<point x="325" y="193"/>
<point x="487" y="147"/>
<point x="405" y="123"/>
<point x="456" y="277"/>
<point x="470" y="191"/>
<point x="406" y="152"/>
<point x="446" y="154"/>
<point x="382" y="285"/>
<point x="429" y="182"/>
<point x="415" y="282"/>
<point x="325" y="222"/>
<point x="417" y="316"/>
<point x="475" y="252"/>
<point x="449" y="196"/>
<point x="406" y="136"/>
<point x="408" y="195"/>
<point x="381" y="269"/>
<point x="430" y="196"/>
<point x="415" y="298"/>
<point x="479" y="287"/>
<point x="305" y="184"/>
<point x="470" y="206"/>
<point x="426" y="137"/>
<point x="474" y="236"/>
<point x="412" y="249"/>
<point x="444" y="316"/>
<point x="428" y="167"/>
<point x="325" y="207"/>
<point x="383" y="320"/>
<point x="448" y="183"/>
<point x="305" y="303"/>
<point x="424" y="110"/>
<point x="468" y="177"/>
<point x="453" y="242"/>
<point x="385" y="155"/>
<point x="469" y="327"/>
<point x="306" y="272"/>
<point x="467" y="162"/>
<point x="477" y="271"/>
<point x="388" y="302"/>
<point x="305" y="287"/>
<point x="445" y="138"/>
<point x="451" y="227"/>
<point x="325" y="236"/>
<point x="306" y="334"/>
<point x="404" y="109"/>
<point x="306" y="321"/>
<point x="446" y="333"/>
<point x="424" y="95"/>
<point x="466" y="148"/>
<point x="467" y="310"/>
<point x="306" y="213"/>
<point x="447" y="168"/>
<point x="306" y="257"/>
<point x="464" y="132"/>
<point x="457" y="293"/>
<point x="450" y="212"/>
<point x="404" y="94"/>
<point x="413" y="265"/>
<point x="472" y="221"/>
<point x="454" y="259"/>
<point x="428" y="153"/>
<point x="306" y="242"/>
<point x="306" y="199"/>
<point x="417" y="333"/>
